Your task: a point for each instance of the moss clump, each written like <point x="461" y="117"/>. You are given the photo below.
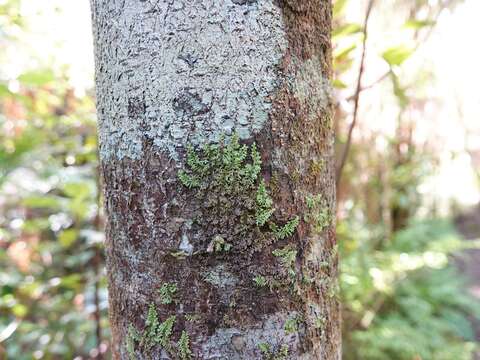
<point x="291" y="325"/>
<point x="226" y="165"/>
<point x="151" y="324"/>
<point x="287" y="256"/>
<point x="164" y="331"/>
<point x="155" y="333"/>
<point x="230" y="199"/>
<point x="183" y="346"/>
<point x="133" y="336"/>
<point x="286" y="230"/>
<point x="167" y="293"/>
<point x="316" y="167"/>
<point x="260" y="281"/>
<point x="219" y="245"/>
<point x="269" y="354"/>
<point x="192" y="317"/>
<point x="264" y="209"/>
<point x="320" y="322"/>
<point x="318" y="214"/>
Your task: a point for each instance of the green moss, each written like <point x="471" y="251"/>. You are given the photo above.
<point x="151" y="324"/>
<point x="320" y="322"/>
<point x="264" y="209"/>
<point x="287" y="256"/>
<point x="154" y="333"/>
<point x="268" y="354"/>
<point x="260" y="281"/>
<point x="133" y="336"/>
<point x="218" y="245"/>
<point x="318" y="214"/>
<point x="192" y="317"/>
<point x="227" y="162"/>
<point x="295" y="175"/>
<point x="316" y="167"/>
<point x="282" y="353"/>
<point x="307" y="279"/>
<point x="164" y="331"/>
<point x="225" y="181"/>
<point x="189" y="181"/>
<point x="291" y="325"/>
<point x="286" y="230"/>
<point x="167" y="293"/>
<point x="183" y="347"/>
<point x="264" y="349"/>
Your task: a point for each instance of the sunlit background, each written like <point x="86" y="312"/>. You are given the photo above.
<point x="408" y="213"/>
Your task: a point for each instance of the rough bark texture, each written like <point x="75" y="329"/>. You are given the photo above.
<point x="175" y="74"/>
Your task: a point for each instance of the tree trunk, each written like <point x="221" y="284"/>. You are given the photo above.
<point x="216" y="148"/>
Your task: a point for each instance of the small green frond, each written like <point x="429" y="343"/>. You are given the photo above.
<point x="151" y="325"/>
<point x="133" y="336"/>
<point x="260" y="281"/>
<point x="189" y="181"/>
<point x="167" y="293"/>
<point x="286" y="230"/>
<point x="164" y="331"/>
<point x="183" y="346"/>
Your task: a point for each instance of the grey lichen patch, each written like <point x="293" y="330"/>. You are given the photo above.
<point x="185" y="245"/>
<point x="193" y="70"/>
<point x="221" y="278"/>
<point x="311" y="88"/>
<point x="243" y="2"/>
<point x="236" y="343"/>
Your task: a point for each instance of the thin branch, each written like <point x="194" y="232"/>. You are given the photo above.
<point x="357" y="93"/>
<point x="371" y="85"/>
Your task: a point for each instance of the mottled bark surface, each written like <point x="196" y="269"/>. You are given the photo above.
<point x="174" y="74"/>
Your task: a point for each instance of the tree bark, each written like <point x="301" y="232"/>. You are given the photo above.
<point x="216" y="148"/>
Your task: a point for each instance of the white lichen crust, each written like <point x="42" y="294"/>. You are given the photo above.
<point x="193" y="70"/>
<point x="237" y="344"/>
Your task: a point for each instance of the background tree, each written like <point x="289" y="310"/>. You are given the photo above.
<point x="216" y="148"/>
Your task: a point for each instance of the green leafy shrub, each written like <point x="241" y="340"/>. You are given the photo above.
<point x="404" y="299"/>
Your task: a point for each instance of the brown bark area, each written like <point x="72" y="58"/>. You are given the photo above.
<point x="304" y="132"/>
<point x="150" y="212"/>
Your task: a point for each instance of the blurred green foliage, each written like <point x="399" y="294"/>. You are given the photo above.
<point x="402" y="296"/>
<point x="403" y="299"/>
<point x="52" y="286"/>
